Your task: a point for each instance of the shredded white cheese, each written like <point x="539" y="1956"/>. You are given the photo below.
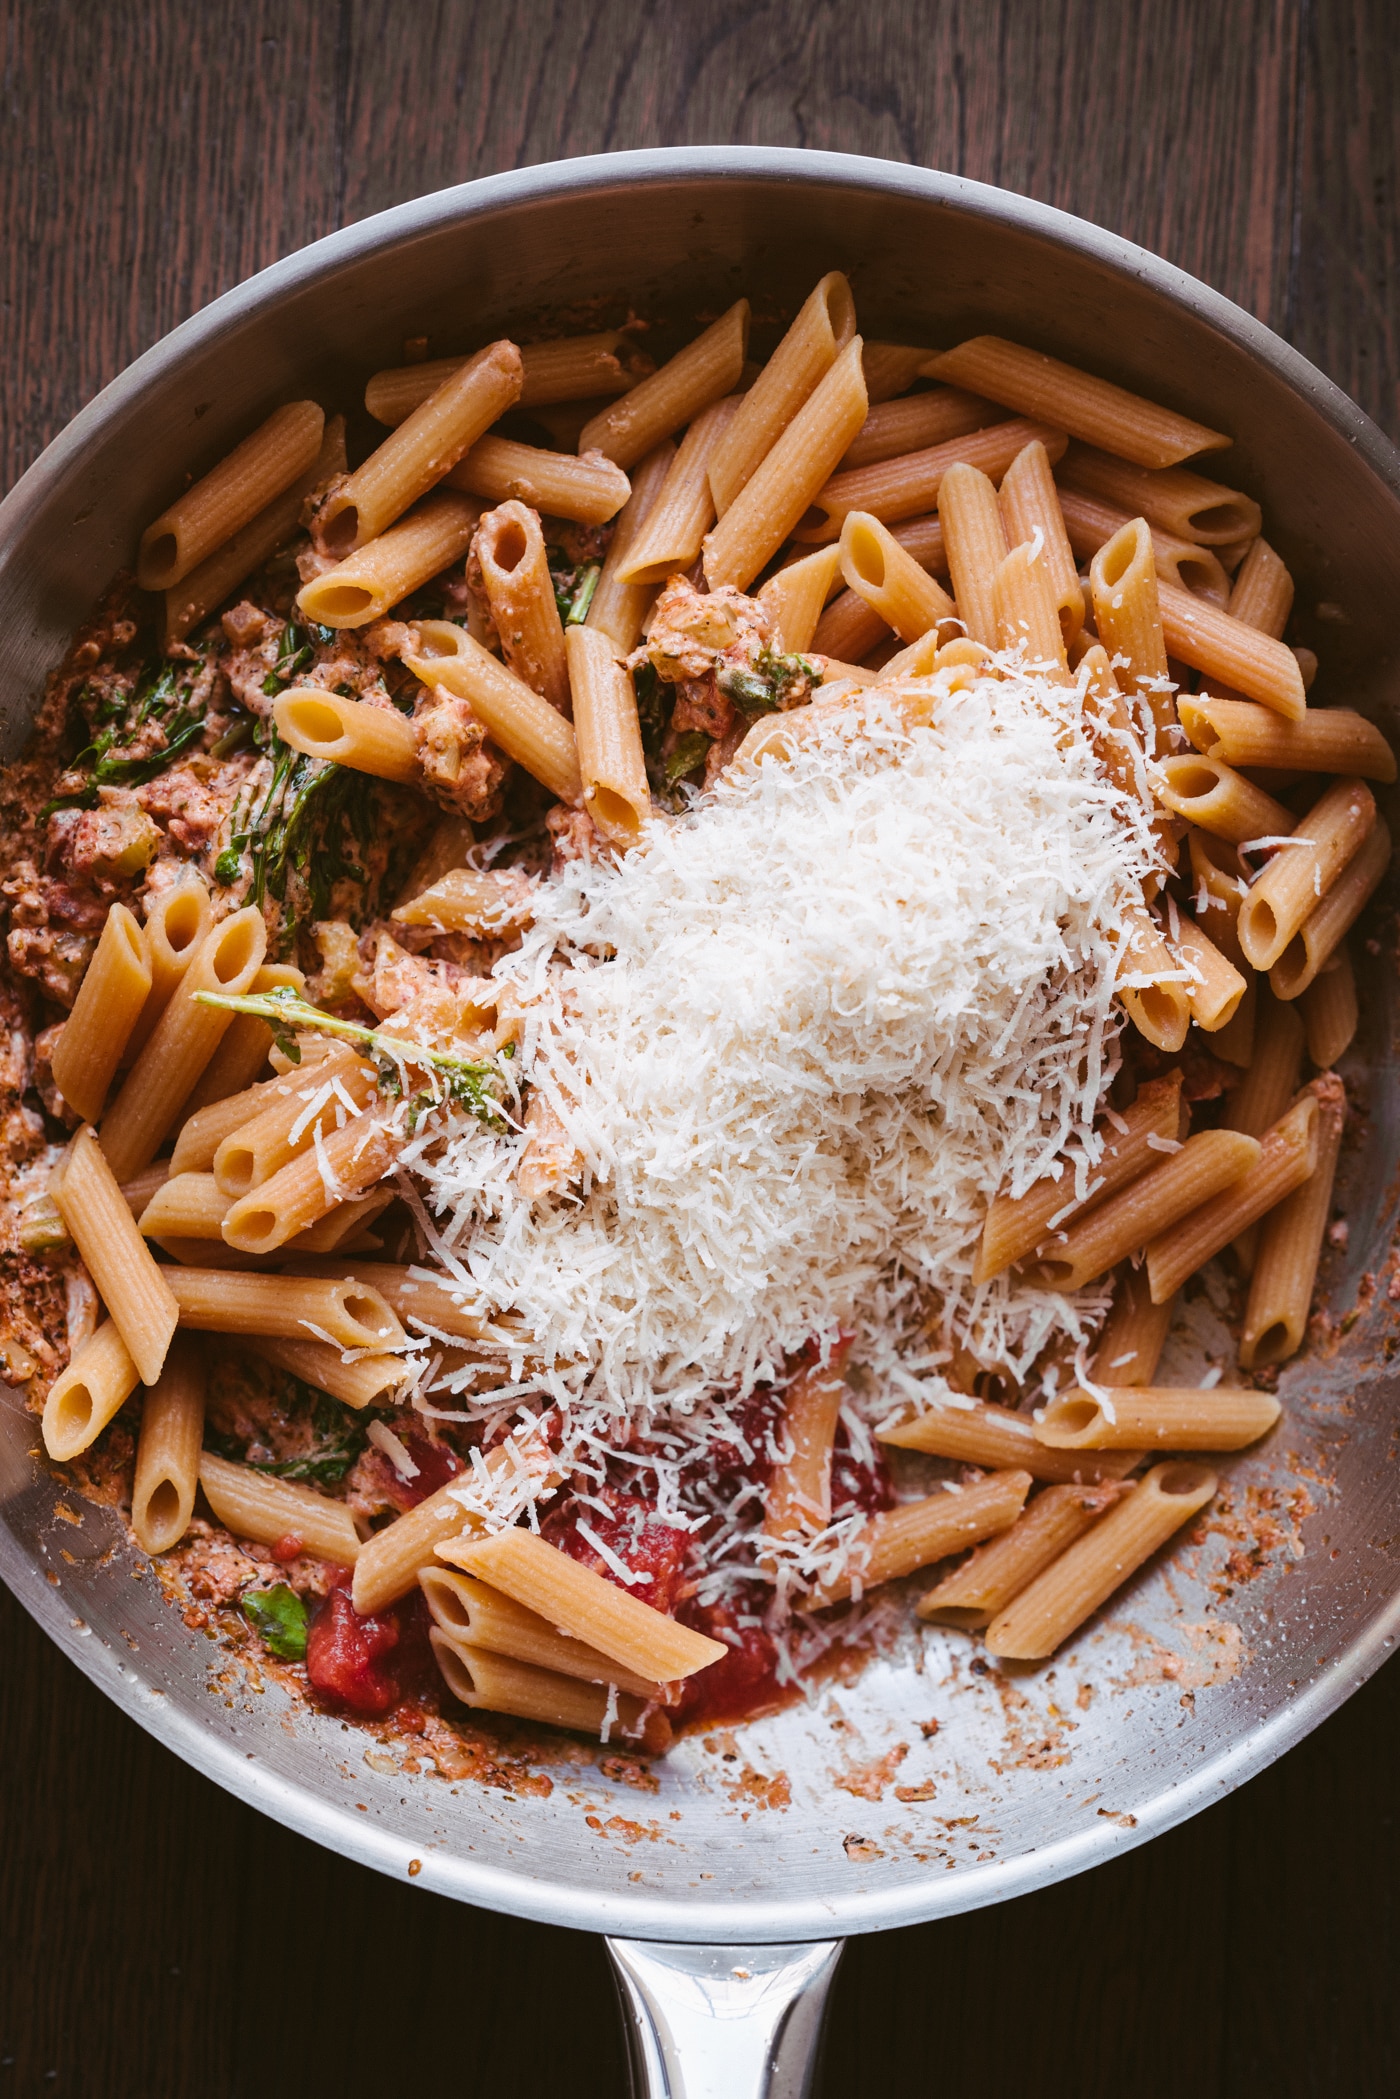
<point x="800" y="1037"/>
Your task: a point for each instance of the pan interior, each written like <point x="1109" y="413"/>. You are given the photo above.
<point x="930" y="1782"/>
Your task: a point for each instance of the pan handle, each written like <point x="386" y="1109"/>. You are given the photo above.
<point x="723" y="2022"/>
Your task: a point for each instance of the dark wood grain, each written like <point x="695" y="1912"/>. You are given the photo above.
<point x="157" y="1939"/>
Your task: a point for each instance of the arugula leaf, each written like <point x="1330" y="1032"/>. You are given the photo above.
<point x="469" y="1080"/>
<point x="313" y="826"/>
<point x="340" y="1438"/>
<point x="278" y="1617"/>
<point x="160" y="698"/>
<point x="690" y="750"/>
<point x="655" y="701"/>
<point x="582" y="598"/>
<point x="295" y="650"/>
<point x="762" y="687"/>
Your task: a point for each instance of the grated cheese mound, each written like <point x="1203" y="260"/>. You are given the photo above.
<point x="799" y="1038"/>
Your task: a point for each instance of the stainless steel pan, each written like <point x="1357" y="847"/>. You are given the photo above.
<point x="728" y="1888"/>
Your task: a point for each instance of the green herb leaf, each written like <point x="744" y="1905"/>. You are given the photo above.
<point x="469" y="1081"/>
<point x="158" y="700"/>
<point x="752" y="695"/>
<point x="583" y="594"/>
<point x="278" y="1617"/>
<point x="340" y="1438"/>
<point x="690" y="750"/>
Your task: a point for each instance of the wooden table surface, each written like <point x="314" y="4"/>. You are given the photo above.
<point x="161" y="1941"/>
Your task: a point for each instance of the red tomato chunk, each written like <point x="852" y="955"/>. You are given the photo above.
<point x="344" y="1652"/>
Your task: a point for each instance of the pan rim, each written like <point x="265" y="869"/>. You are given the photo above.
<point x="519" y="1893"/>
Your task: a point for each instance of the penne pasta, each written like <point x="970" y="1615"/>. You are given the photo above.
<point x="168" y="1451"/>
<point x="1289" y="889"/>
<point x="176" y="922"/>
<point x="135" y="1291"/>
<point x="424" y="447"/>
<point x="1263" y="591"/>
<point x="1216" y="987"/>
<point x="462" y="900"/>
<point x="182" y="1042"/>
<point x="190" y="602"/>
<point x="617" y="609"/>
<point x="1212" y="795"/>
<point x="891" y="582"/>
<point x="1157" y="1417"/>
<point x="891" y="368"/>
<point x="919" y="420"/>
<point x="799" y="1486"/>
<point x="1134" y="1333"/>
<point x="342" y="1166"/>
<point x="899" y="1541"/>
<point x="87" y="1395"/>
<point x="187" y="1206"/>
<point x="111" y="997"/>
<point x="342" y="1224"/>
<point x="850" y="627"/>
<point x="1089" y="408"/>
<point x="1152" y="984"/>
<point x="611" y="761"/>
<point x="974" y="537"/>
<point x="590" y="490"/>
<point x="138" y="1191"/>
<point x="426" y="1304"/>
<point x="1090" y="523"/>
<point x="1329" y="1010"/>
<point x="525" y="726"/>
<point x="672" y="397"/>
<point x="1248" y="661"/>
<point x="1030" y="506"/>
<point x="494" y="1683"/>
<point x="1017" y="1224"/>
<point x="1209" y="1162"/>
<point x="358" y="1382"/>
<point x="1287" y="1155"/>
<point x="1182" y="503"/>
<point x="474" y="1615"/>
<point x="383" y="570"/>
<point x="1328" y="923"/>
<point x="821" y="331"/>
<point x="568" y="369"/>
<point x="1126" y="597"/>
<point x="393" y="1558"/>
<point x="247" y="1044"/>
<point x="1220" y="884"/>
<point x="794" y="599"/>
<point x="583" y="1604"/>
<point x="253" y="1504"/>
<point x="675" y="526"/>
<point x="230" y="496"/>
<point x="906" y="487"/>
<point x="1058" y="1601"/>
<point x="778" y="491"/>
<point x="1268" y="1085"/>
<point x="975" y="1433"/>
<point x="1116" y="738"/>
<point x="294" y="1308"/>
<point x="514" y="563"/>
<point x="205" y="1130"/>
<point x="978" y="1591"/>
<point x="1028" y="614"/>
<point x="1290" y="1245"/>
<point x="1324" y="740"/>
<point x="369" y="739"/>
